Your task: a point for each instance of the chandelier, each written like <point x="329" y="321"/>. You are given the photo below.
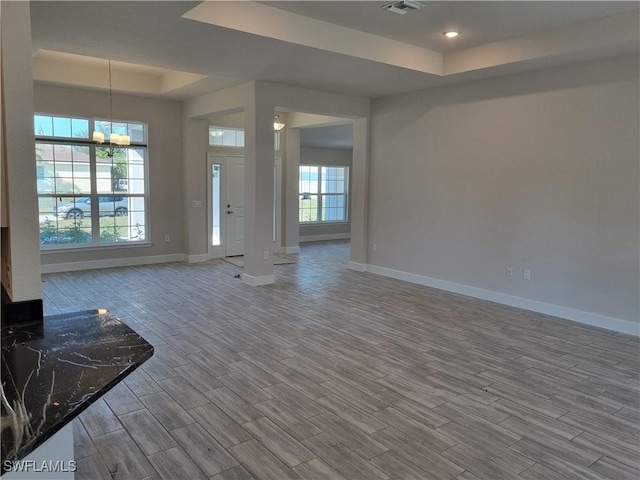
<point x="115" y="140"/>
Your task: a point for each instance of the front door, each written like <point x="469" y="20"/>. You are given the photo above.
<point x="234" y="211"/>
<point x="226" y="206"/>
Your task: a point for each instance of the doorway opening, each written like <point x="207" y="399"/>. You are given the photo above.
<point x="324" y="179"/>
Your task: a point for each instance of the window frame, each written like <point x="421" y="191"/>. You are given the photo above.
<point x="94" y="195"/>
<point x="276" y="137"/>
<point x="321" y="194"/>
<point x="235" y="131"/>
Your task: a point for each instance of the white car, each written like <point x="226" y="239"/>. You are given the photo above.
<point x="109" y="206"/>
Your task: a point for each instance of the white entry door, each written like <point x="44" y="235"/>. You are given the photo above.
<point x="234" y="206"/>
<point x="226" y="206"/>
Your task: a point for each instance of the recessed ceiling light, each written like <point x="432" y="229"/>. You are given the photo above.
<point x="450" y="34"/>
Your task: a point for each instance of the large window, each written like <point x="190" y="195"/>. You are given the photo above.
<point x="88" y="194"/>
<point x="323" y="194"/>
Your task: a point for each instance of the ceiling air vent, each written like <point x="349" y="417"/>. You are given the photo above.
<point x="402" y="7"/>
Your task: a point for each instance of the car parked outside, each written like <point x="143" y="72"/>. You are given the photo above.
<point x="109" y="206"/>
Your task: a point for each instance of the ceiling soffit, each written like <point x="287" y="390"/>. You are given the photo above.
<point x="266" y="21"/>
<point x="81" y="70"/>
<point x="214" y="45"/>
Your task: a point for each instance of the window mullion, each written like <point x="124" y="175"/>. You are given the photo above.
<point x="320" y="193"/>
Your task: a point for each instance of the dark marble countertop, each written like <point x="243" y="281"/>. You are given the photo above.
<point x="52" y="371"/>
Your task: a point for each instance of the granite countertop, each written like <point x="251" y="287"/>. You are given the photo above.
<point x="52" y="371"/>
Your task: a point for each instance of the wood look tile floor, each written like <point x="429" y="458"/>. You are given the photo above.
<point x="333" y="374"/>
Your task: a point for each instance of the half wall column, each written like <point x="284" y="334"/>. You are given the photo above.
<point x="258" y="175"/>
<point x="291" y="177"/>
<point x="359" y="194"/>
<point x="20" y="235"/>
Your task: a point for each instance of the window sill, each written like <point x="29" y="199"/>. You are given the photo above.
<point x="313" y="224"/>
<point x="94" y="248"/>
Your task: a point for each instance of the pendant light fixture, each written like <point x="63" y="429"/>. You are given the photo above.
<point x="277" y="125"/>
<point x="115" y="140"/>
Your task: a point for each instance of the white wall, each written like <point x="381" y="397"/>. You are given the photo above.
<point x="164" y="121"/>
<point x="537" y="170"/>
<point x="20" y="267"/>
<point x="326" y="156"/>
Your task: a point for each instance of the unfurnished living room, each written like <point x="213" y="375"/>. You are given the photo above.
<point x="327" y="240"/>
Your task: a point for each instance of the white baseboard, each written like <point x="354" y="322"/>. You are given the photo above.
<point x="587" y="318"/>
<point x="108" y="263"/>
<point x="258" y="281"/>
<point x="203" y="257"/>
<point x="328" y="236"/>
<point x="358" y="267"/>
<point x="287" y="250"/>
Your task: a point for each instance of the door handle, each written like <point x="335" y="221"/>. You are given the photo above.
<point x="229" y="212"/>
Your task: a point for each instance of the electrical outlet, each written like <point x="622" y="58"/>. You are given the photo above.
<point x="266" y="255"/>
<point x="527" y="274"/>
<point x="374" y="247"/>
<point x="509" y="271"/>
<point x="167" y="238"/>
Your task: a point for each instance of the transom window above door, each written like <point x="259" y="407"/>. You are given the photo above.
<point x="233" y="137"/>
<point x="226" y="136"/>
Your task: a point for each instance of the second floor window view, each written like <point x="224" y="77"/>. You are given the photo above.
<point x="89" y="194"/>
